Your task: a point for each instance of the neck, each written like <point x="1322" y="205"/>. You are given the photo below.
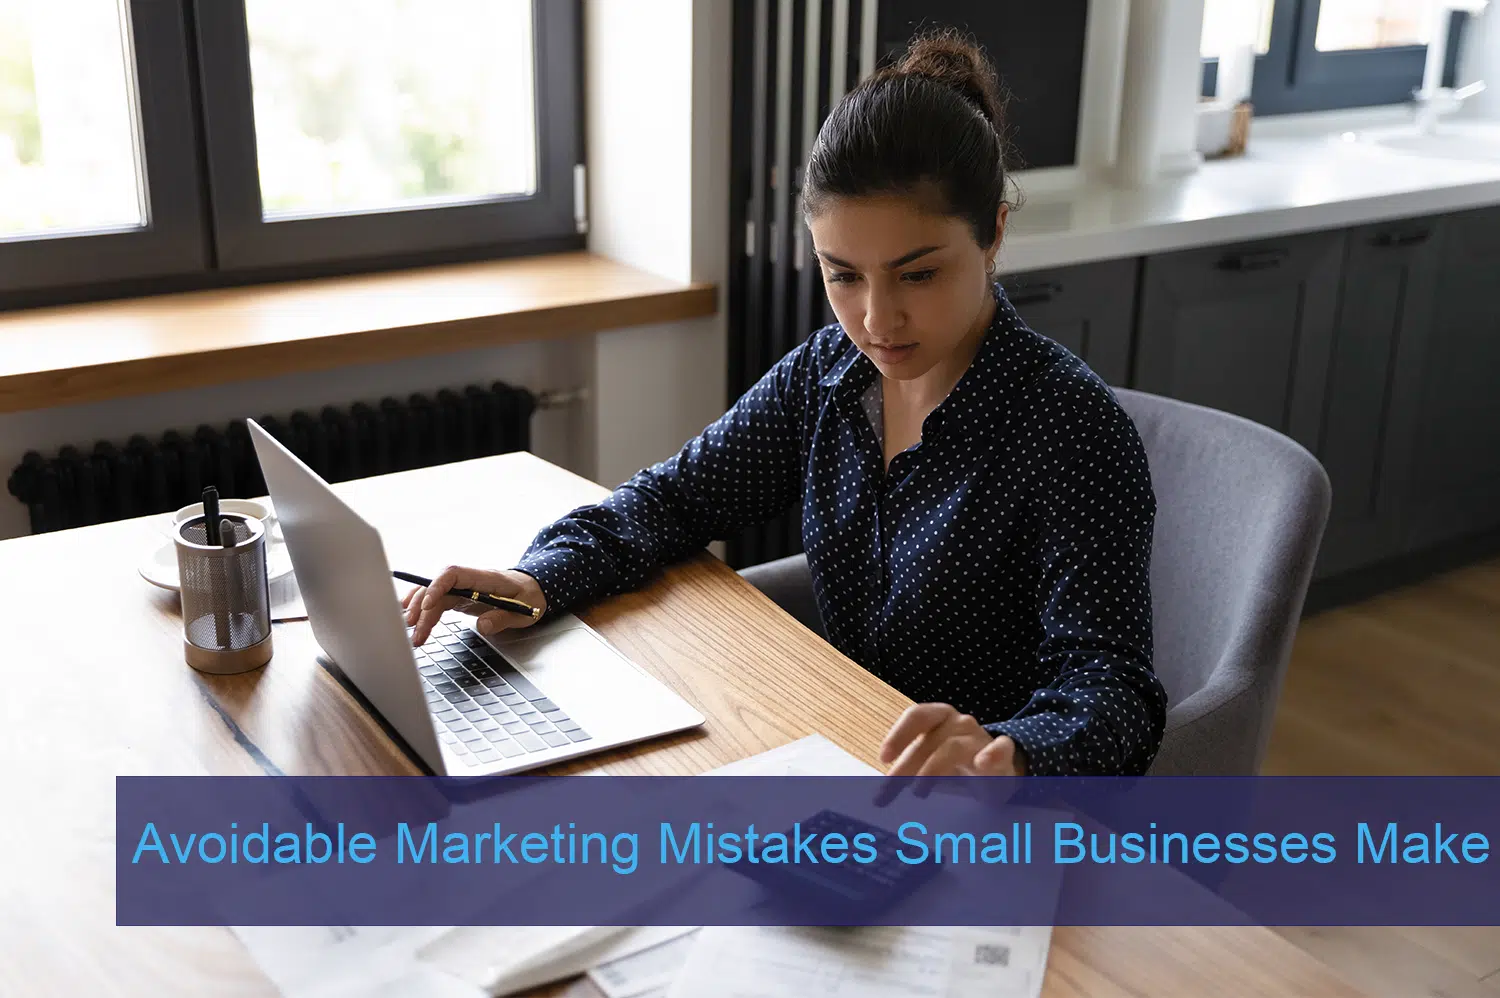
<point x="929" y="390"/>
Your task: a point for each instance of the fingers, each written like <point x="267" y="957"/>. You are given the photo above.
<point x="998" y="758"/>
<point x="932" y="740"/>
<point x="495" y="621"/>
<point x="412" y="604"/>
<point x="434" y="602"/>
<point x="952" y="757"/>
<point x="914" y="736"/>
<point x="426" y="607"/>
<point x="908" y="745"/>
<point x="429" y="615"/>
<point x="914" y="722"/>
<point x="912" y="739"/>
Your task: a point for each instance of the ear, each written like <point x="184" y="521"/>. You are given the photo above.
<point x="992" y="251"/>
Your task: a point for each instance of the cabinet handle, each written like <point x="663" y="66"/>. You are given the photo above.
<point x="1393" y="240"/>
<point x="1034" y="294"/>
<point x="1253" y="260"/>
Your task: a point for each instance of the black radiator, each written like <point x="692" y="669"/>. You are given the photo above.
<point x="113" y="482"/>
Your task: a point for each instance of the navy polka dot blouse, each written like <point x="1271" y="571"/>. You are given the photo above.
<point x="1000" y="565"/>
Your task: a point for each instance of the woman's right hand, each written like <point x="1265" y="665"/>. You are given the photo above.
<point x="425" y="605"/>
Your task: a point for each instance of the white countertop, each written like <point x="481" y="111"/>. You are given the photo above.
<point x="1285" y="183"/>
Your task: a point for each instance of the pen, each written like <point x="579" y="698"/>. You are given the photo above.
<point x="211" y="516"/>
<point x="488" y="599"/>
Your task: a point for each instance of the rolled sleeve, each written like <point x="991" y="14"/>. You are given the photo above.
<point x="743" y="470"/>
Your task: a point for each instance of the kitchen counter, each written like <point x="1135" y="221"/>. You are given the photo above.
<point x="1286" y="183"/>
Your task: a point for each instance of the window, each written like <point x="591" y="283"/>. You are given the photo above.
<point x="1233" y="22"/>
<point x="67" y="121"/>
<point x="226" y="140"/>
<point x="1318" y="55"/>
<point x="398" y="108"/>
<point x="1371" y="24"/>
<point x="97" y="180"/>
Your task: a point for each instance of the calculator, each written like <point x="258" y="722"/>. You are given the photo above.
<point x="847" y="890"/>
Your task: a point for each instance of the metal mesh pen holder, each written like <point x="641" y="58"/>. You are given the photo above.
<point x="226" y="597"/>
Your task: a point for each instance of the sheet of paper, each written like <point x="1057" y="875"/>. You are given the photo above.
<point x="286" y="600"/>
<point x="349" y="962"/>
<point x="810" y="756"/>
<point x="462" y="962"/>
<point x="870" y="962"/>
<point x="533" y="957"/>
<point x="646" y="971"/>
<point x="500" y="960"/>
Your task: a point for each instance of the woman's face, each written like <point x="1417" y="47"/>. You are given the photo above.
<point x="907" y="285"/>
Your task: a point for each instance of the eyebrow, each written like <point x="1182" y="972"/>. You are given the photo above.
<point x="900" y="261"/>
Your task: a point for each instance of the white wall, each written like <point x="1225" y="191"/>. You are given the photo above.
<point x="658" y="148"/>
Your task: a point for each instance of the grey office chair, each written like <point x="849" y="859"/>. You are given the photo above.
<point x="1240" y="514"/>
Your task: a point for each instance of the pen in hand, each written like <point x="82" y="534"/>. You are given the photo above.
<point x="488" y="599"/>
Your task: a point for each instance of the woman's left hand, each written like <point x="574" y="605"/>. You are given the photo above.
<point x="934" y="739"/>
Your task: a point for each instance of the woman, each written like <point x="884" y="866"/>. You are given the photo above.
<point x="976" y="506"/>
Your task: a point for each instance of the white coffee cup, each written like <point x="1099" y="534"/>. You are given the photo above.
<point x="248" y="507"/>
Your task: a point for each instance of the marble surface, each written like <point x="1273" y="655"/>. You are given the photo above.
<point x="1285" y="183"/>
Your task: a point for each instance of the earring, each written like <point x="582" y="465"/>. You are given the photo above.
<point x="989" y="268"/>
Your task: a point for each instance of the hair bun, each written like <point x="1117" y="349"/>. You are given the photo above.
<point x="949" y="58"/>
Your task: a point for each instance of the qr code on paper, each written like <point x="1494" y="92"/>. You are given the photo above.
<point x="992" y="955"/>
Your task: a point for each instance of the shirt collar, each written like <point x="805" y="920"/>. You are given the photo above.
<point x="839" y="373"/>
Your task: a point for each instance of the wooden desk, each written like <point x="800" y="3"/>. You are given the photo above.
<point x="95" y="686"/>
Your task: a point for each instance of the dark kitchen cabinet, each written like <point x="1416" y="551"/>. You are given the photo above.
<point x="1244" y="328"/>
<point x="1372" y="393"/>
<point x="1090" y="309"/>
<point x="1455" y="481"/>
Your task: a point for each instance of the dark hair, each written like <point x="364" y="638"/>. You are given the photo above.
<point x="931" y="127"/>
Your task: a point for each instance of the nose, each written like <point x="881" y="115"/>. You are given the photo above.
<point x="883" y="315"/>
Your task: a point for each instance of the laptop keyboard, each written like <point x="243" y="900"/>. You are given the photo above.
<point x="487" y="710"/>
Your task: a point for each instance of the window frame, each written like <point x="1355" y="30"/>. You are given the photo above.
<point x="1293" y="76"/>
<point x="173" y="240"/>
<point x="502" y="226"/>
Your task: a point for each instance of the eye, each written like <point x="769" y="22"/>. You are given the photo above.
<point x="919" y="276"/>
<point x="841" y="277"/>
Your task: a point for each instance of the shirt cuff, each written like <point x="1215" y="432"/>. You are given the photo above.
<point x="560" y="580"/>
<point x="1045" y="756"/>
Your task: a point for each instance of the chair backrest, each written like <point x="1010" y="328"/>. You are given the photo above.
<point x="1240" y="514"/>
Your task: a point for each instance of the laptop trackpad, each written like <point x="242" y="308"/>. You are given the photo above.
<point x="581" y="672"/>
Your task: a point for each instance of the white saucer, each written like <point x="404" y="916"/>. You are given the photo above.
<point x="161" y="568"/>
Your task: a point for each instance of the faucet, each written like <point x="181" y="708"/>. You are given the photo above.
<point x="1433" y="99"/>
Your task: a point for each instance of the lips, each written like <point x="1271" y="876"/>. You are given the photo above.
<point x="891" y="354"/>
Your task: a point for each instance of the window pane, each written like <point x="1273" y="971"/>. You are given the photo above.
<point x="1372" y="24"/>
<point x="1234" y="22"/>
<point x="411" y="103"/>
<point x="67" y="119"/>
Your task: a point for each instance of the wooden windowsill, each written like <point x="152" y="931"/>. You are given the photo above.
<point x="87" y="353"/>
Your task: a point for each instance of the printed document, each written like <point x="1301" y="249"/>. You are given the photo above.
<point x="866" y="962"/>
<point x="464" y="962"/>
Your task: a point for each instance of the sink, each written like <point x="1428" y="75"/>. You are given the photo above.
<point x="1470" y="140"/>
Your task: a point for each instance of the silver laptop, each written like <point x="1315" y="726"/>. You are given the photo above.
<point x="468" y="705"/>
